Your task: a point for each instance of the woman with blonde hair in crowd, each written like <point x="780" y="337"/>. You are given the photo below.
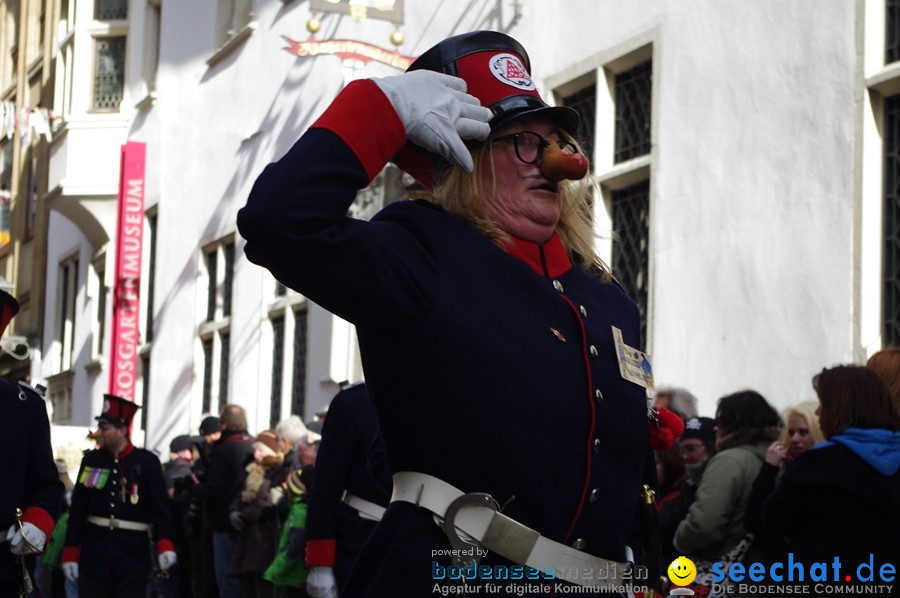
<point x="842" y="497"/>
<point x="801" y="432"/>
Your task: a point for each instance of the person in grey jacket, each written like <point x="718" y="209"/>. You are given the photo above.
<point x="745" y="426"/>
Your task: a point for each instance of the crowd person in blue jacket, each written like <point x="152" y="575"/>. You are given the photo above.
<point x="31" y="481"/>
<point x="841" y="498"/>
<point x="491" y="333"/>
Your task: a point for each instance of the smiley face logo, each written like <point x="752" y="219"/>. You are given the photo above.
<point x="682" y="571"/>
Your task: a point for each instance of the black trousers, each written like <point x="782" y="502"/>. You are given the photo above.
<point x="131" y="586"/>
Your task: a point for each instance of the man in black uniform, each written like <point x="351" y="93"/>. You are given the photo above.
<point x="119" y="497"/>
<point x="30" y="478"/>
<point x="348" y="498"/>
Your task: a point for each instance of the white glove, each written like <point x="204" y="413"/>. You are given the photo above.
<point x="70" y="570"/>
<point x="438" y="113"/>
<point x="167" y="559"/>
<point x="31" y="543"/>
<point x="320" y="583"/>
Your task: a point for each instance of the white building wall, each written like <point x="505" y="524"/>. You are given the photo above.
<point x="760" y="271"/>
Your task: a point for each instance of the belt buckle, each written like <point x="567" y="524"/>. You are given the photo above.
<point x="458" y="544"/>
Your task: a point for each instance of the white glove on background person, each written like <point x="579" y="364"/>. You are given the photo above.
<point x="320" y="583"/>
<point x="70" y="570"/>
<point x="167" y="559"/>
<point x="34" y="536"/>
<point x="438" y="113"/>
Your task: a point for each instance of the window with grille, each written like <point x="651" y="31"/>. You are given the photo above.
<point x="277" y="369"/>
<point x="215" y="330"/>
<point x="584" y="102"/>
<point x="108" y="10"/>
<point x="892" y="31"/>
<point x="109" y="73"/>
<point x="630" y="255"/>
<point x="890" y="296"/>
<point x="298" y="390"/>
<point x="207" y="375"/>
<point x="633" y="88"/>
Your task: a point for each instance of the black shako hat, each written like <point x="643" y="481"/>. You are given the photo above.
<point x="117" y="410"/>
<point x="497" y="71"/>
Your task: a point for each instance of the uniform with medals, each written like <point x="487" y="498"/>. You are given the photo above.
<point x="118" y="500"/>
<point x="492" y="366"/>
<point x="30" y="479"/>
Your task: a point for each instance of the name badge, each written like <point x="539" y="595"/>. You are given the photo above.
<point x="634" y="365"/>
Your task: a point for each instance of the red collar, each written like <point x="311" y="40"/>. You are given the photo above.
<point x="124" y="452"/>
<point x="549" y="259"/>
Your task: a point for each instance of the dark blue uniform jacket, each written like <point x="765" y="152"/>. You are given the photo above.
<point x="30" y="478"/>
<point x="335" y="532"/>
<point x="491" y="369"/>
<point x="129" y="487"/>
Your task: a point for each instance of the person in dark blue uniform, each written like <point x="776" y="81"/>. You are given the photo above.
<point x="30" y="479"/>
<point x="119" y="498"/>
<point x="499" y="353"/>
<point x="347" y="499"/>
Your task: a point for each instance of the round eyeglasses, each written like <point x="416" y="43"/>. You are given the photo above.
<point x="530" y="146"/>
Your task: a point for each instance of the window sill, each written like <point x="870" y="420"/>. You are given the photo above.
<point x="146" y="101"/>
<point x="95" y="366"/>
<point x="232" y="44"/>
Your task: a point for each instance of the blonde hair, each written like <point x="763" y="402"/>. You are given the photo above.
<point x="461" y="194"/>
<point x="806" y="410"/>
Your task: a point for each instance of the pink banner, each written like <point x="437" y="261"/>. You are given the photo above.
<point x="127" y="284"/>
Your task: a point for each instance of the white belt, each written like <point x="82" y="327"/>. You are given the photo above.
<point x="367" y="510"/>
<point x="118" y="523"/>
<point x="506" y="536"/>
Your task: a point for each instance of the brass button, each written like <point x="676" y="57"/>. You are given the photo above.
<point x="583" y="311"/>
<point x="596" y="445"/>
<point x="595" y="495"/>
<point x="598" y="395"/>
<point x="558" y="286"/>
<point x="593" y="351"/>
<point x="579" y="543"/>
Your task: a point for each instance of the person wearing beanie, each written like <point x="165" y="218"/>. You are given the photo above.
<point x="31" y="480"/>
<point x="486" y="319"/>
<point x="696" y="446"/>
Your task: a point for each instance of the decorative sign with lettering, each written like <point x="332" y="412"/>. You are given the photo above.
<point x="127" y="284"/>
<point x="346" y="48"/>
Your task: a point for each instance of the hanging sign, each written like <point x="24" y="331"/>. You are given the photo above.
<point x="347" y="48"/>
<point x="127" y="284"/>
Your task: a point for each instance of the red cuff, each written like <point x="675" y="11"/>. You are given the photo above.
<point x="164" y="545"/>
<point x="320" y="552"/>
<point x="69" y="554"/>
<point x="364" y="119"/>
<point x="41" y="519"/>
